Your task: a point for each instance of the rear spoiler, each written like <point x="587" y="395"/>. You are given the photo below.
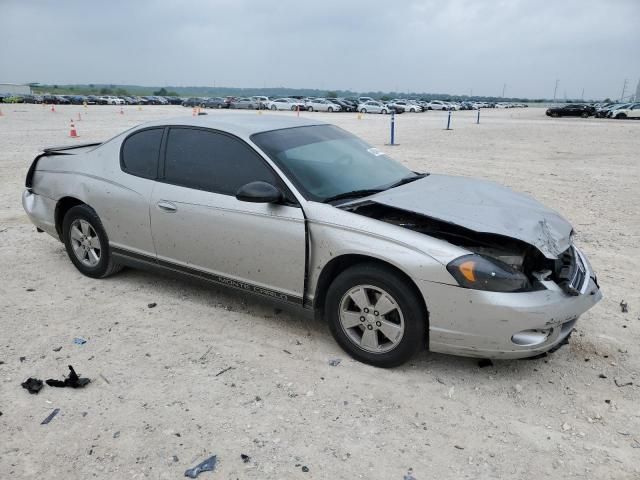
<point x="49" y="152"/>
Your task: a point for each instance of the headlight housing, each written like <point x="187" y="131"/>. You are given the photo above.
<point x="484" y="273"/>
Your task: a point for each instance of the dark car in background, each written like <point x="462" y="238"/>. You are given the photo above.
<point x="572" y="110"/>
<point x="193" y="102"/>
<point x="215" y="102"/>
<point x="246" y="103"/>
<point x="344" y="105"/>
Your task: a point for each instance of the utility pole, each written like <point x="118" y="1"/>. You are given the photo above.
<point x="504" y="87"/>
<point x="624" y="89"/>
<point x="582" y="96"/>
<point x="555" y="90"/>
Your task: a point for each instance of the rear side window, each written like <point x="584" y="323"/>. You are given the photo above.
<point x="140" y="152"/>
<point x="211" y="161"/>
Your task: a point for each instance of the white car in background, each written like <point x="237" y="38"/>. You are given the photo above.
<point x="438" y="105"/>
<point x="406" y="105"/>
<point x="261" y="101"/>
<point x="630" y="111"/>
<point x="322" y="105"/>
<point x="111" y="100"/>
<point x="373" y="106"/>
<point x="285" y="104"/>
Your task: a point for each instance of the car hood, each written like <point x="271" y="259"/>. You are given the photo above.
<point x="482" y="206"/>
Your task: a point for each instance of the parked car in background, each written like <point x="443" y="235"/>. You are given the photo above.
<point x="214" y="102"/>
<point x="322" y="105"/>
<point x="373" y="106"/>
<point x="285" y="104"/>
<point x="571" y="110"/>
<point x="193" y="102"/>
<point x="438" y="105"/>
<point x="345" y="106"/>
<point x="261" y="101"/>
<point x="405" y="105"/>
<point x="631" y="110"/>
<point x="243" y="103"/>
<point x="308" y="214"/>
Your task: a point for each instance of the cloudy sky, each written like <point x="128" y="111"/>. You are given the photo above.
<point x="439" y="46"/>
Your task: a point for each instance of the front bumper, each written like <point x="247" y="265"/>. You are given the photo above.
<point x="476" y="323"/>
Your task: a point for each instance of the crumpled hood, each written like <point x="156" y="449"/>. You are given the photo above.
<point x="484" y="207"/>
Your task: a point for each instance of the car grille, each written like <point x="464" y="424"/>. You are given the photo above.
<point x="571" y="272"/>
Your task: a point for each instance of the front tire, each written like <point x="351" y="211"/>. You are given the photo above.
<point x="375" y="316"/>
<point x="87" y="243"/>
<point x="363" y="110"/>
<point x="621" y="116"/>
<point x="274" y="108"/>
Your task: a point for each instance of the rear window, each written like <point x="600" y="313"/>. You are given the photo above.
<point x="140" y="152"/>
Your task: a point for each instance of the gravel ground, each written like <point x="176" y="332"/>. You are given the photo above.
<point x="210" y="371"/>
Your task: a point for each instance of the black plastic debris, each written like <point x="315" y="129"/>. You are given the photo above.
<point x="602" y="375"/>
<point x="624" y="306"/>
<point x="57" y="349"/>
<point x="22" y="359"/>
<point x="223" y="371"/>
<point x="79" y="341"/>
<point x="334" y="362"/>
<point x="622" y="383"/>
<point x="50" y="416"/>
<point x="245" y="458"/>
<point x="33" y="385"/>
<point x="208" y="465"/>
<point x="72" y="381"/>
<point x="305" y="469"/>
<point x="485" y="362"/>
<point x="409" y="475"/>
<point x="152" y="305"/>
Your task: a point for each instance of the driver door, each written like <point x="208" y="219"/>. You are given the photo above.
<point x="199" y="227"/>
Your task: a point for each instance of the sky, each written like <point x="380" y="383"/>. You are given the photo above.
<point x="433" y="46"/>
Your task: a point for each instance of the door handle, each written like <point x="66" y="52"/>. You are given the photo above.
<point x="167" y="206"/>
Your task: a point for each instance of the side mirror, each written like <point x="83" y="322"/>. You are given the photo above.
<point x="259" y="192"/>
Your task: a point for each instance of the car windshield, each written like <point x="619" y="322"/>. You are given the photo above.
<point x="325" y="161"/>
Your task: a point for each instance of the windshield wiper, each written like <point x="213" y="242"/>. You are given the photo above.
<point x="406" y="180"/>
<point x="354" y="194"/>
<point x="370" y="191"/>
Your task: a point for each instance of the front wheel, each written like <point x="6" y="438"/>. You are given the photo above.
<point x="87" y="243"/>
<point x="363" y="110"/>
<point x="584" y="115"/>
<point x="310" y="108"/>
<point x="330" y="109"/>
<point x="375" y="316"/>
<point x="274" y="108"/>
<point x="384" y="111"/>
<point x="621" y="115"/>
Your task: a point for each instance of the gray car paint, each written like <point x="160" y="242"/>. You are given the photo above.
<point x="461" y="321"/>
<point x="484" y="207"/>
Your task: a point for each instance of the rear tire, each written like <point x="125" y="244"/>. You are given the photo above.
<point x="87" y="243"/>
<point x="584" y="115"/>
<point x="330" y="109"/>
<point x="621" y="116"/>
<point x="362" y="329"/>
<point x="309" y="108"/>
<point x="363" y="110"/>
<point x="274" y="108"/>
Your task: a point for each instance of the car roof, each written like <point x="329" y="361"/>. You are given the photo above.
<point x="238" y="124"/>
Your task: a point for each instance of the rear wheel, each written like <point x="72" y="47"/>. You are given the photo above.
<point x="87" y="243"/>
<point x="621" y="115"/>
<point x="310" y="108"/>
<point x="330" y="109"/>
<point x="375" y="316"/>
<point x="274" y="108"/>
<point x="584" y="115"/>
<point x="363" y="110"/>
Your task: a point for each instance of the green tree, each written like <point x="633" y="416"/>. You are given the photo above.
<point x="162" y="92"/>
<point x="385" y="98"/>
<point x="122" y="92"/>
<point x="105" y="91"/>
<point x="332" y="94"/>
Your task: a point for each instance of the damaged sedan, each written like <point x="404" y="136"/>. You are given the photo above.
<point x="306" y="213"/>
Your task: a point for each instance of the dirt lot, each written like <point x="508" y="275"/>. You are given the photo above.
<point x="160" y="400"/>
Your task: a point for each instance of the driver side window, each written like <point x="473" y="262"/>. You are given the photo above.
<point x="212" y="161"/>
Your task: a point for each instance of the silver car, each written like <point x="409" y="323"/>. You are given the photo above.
<point x="305" y="213"/>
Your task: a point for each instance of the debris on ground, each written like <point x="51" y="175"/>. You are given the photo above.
<point x="57" y="349"/>
<point x="22" y="359"/>
<point x="152" y="305"/>
<point x="73" y="381"/>
<point x="409" y="475"/>
<point x="79" y="341"/>
<point x="33" y="385"/>
<point x="624" y="306"/>
<point x="602" y="375"/>
<point x="305" y="469"/>
<point x="105" y="379"/>
<point x="31" y="290"/>
<point x="223" y="371"/>
<point x="287" y="352"/>
<point x="245" y="458"/>
<point x="50" y="416"/>
<point x="334" y="362"/>
<point x="622" y="383"/>
<point x="459" y="447"/>
<point x="208" y="465"/>
<point x="116" y="434"/>
<point x="485" y="362"/>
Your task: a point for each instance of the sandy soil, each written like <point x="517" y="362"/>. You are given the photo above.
<point x="161" y="401"/>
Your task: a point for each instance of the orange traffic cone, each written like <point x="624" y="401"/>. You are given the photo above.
<point x="73" y="133"/>
<point x="53" y="108"/>
<point x="121" y="111"/>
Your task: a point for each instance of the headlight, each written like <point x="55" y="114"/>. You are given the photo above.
<point x="483" y="273"/>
